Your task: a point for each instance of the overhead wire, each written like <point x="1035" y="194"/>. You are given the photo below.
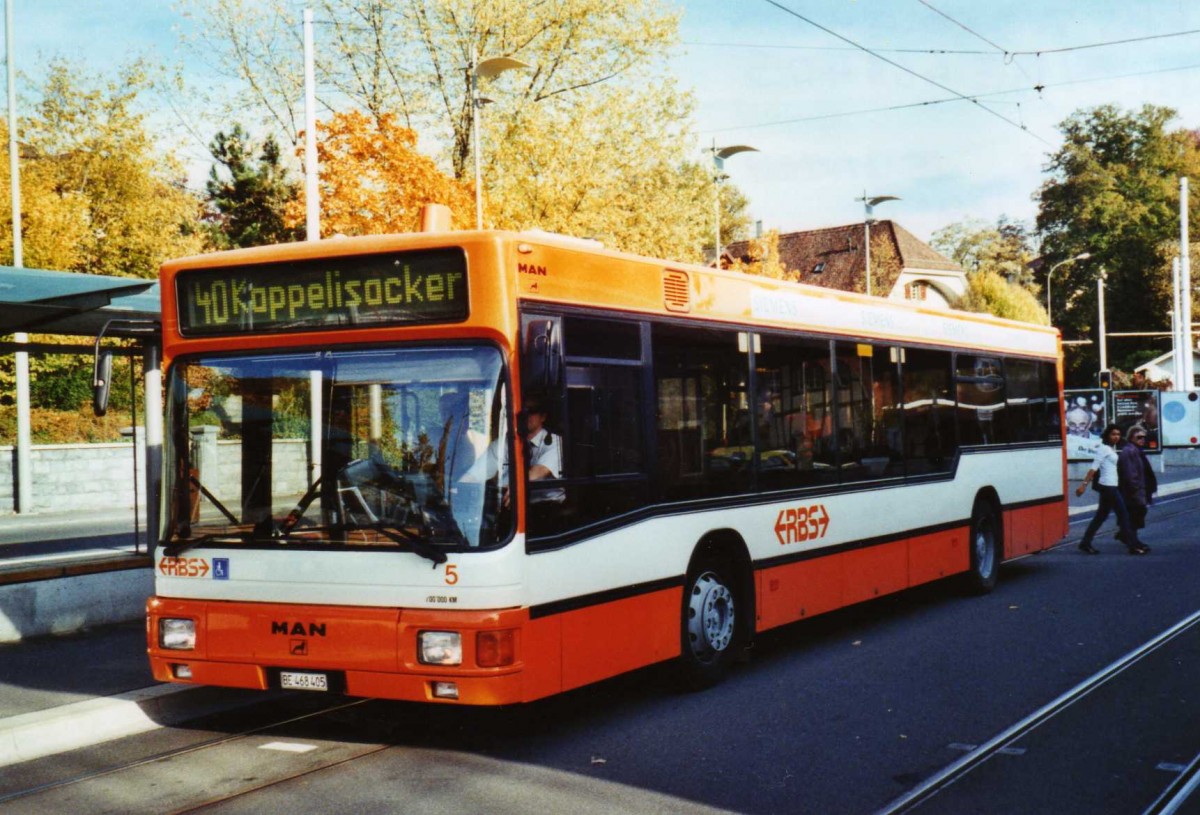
<point x="932" y="102"/>
<point x="908" y="70"/>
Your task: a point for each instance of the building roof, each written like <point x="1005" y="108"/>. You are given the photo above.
<point x="834" y="257"/>
<point x="47" y="302"/>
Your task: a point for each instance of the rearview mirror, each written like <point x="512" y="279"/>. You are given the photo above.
<point x="101" y="380"/>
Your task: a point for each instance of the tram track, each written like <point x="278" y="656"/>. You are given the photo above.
<point x="179" y="752"/>
<point x="1169" y="801"/>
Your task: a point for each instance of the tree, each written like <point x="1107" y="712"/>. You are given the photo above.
<point x="98" y="195"/>
<point x="1113" y="191"/>
<point x="990" y="293"/>
<point x="374" y="181"/>
<point x="591" y="140"/>
<point x="1006" y="248"/>
<point x="247" y="196"/>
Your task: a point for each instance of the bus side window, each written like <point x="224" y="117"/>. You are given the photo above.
<point x="982" y="418"/>
<point x="703" y="413"/>
<point x="929" y="435"/>
<point x="869" y="411"/>
<point x="795" y="418"/>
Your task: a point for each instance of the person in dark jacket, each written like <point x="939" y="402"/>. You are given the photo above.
<point x="1136" y="478"/>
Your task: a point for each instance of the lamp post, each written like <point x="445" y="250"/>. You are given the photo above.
<point x="1050" y="274"/>
<point x="719" y="155"/>
<point x="487" y="69"/>
<point x="1100" y="313"/>
<point x="869" y="206"/>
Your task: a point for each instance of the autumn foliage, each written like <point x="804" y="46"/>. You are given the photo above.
<point x="373" y="180"/>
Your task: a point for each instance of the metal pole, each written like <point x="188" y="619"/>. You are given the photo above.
<point x="1103" y="333"/>
<point x="867" y="245"/>
<point x="1185" y="286"/>
<point x="24" y="404"/>
<point x="1177" y="347"/>
<point x="311" y="193"/>
<point x="316" y="394"/>
<point x="152" y="375"/>
<point x="717" y="221"/>
<point x="473" y="81"/>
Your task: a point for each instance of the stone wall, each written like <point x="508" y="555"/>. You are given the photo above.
<point x="101" y="476"/>
<point x="75" y="476"/>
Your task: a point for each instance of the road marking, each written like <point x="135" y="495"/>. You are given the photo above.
<point x="288" y="747"/>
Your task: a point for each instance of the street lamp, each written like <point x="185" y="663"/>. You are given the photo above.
<point x="487" y="69"/>
<point x="869" y="205"/>
<point x="719" y="156"/>
<point x="1049" y="274"/>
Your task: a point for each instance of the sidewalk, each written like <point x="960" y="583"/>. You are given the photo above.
<point x="1171" y="481"/>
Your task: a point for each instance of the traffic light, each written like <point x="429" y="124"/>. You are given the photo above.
<point x="1106" y="380"/>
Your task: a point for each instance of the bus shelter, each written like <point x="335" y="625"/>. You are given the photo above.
<point x="84" y="306"/>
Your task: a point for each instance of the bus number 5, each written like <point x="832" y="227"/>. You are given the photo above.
<point x="451" y="574"/>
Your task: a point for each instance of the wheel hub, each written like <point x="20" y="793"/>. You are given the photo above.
<point x="710" y="616"/>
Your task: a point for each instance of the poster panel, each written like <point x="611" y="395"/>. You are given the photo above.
<point x="1180" y="419"/>
<point x="1138" y="408"/>
<point x="1086" y="413"/>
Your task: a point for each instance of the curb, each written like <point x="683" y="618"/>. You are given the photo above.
<point x="83" y="724"/>
<point x="1164" y="491"/>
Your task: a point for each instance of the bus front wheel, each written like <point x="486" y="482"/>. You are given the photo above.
<point x="985" y="547"/>
<point x="710" y="630"/>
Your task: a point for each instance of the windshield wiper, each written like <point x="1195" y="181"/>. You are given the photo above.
<point x="415" y="543"/>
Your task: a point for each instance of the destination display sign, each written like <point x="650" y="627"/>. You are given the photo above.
<point x="321" y="293"/>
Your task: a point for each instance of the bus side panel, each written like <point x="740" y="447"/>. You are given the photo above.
<point x="1056" y="523"/>
<point x="608" y="639"/>
<point x="542" y="650"/>
<point x="798" y="590"/>
<point x="1022" y="531"/>
<point x="937" y="555"/>
<point x="876" y="571"/>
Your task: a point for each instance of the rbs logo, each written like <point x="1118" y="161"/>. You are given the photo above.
<point x="799" y="524"/>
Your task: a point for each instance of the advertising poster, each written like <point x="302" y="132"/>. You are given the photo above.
<point x="1180" y="418"/>
<point x="1138" y="408"/>
<point x="1086" y="415"/>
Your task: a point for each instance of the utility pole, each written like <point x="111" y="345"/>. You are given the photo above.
<point x="24" y="428"/>
<point x="1185" y="286"/>
<point x="312" y="203"/>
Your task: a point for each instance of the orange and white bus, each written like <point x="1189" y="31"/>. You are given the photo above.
<point x="345" y="501"/>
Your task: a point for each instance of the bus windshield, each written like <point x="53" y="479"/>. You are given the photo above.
<point x="403" y="448"/>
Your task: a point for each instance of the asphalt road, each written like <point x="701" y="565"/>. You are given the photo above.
<point x="840" y="714"/>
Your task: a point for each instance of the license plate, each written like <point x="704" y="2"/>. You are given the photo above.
<point x="293" y="680"/>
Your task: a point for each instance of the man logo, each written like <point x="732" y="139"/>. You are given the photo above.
<point x="299" y="648"/>
<point x="297" y="629"/>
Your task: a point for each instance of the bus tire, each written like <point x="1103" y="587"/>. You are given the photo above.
<point x="986" y="546"/>
<point x="711" y="630"/>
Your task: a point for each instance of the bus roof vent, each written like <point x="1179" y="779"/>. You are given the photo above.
<point x="676" y="291"/>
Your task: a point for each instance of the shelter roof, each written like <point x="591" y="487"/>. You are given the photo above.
<point x="47" y="302"/>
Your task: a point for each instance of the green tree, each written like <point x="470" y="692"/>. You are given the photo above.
<point x="1113" y="191"/>
<point x="99" y="194"/>
<point x="592" y="139"/>
<point x="988" y="292"/>
<point x="247" y="193"/>
<point x="1005" y="248"/>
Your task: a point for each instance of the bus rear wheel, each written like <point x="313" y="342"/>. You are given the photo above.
<point x="985" y="545"/>
<point x="710" y="629"/>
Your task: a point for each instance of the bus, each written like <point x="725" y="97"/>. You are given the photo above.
<point x="346" y="507"/>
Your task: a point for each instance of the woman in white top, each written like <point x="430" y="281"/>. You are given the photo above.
<point x="1104" y="470"/>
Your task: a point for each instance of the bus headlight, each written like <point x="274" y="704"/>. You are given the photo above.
<point x="439" y="647"/>
<point x="177" y="634"/>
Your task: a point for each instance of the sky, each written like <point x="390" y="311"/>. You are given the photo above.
<point x="839" y="97"/>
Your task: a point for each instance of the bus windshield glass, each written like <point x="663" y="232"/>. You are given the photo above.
<point x="403" y="448"/>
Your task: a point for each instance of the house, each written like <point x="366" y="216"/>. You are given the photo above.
<point x="903" y="267"/>
<point x="1163" y="368"/>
